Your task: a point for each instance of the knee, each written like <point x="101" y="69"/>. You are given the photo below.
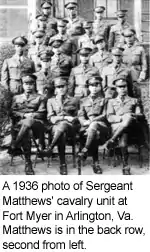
<point x="93" y="126"/>
<point x="126" y="122"/>
<point x="62" y="126"/>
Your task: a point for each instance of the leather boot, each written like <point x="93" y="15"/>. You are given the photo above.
<point x="63" y="169"/>
<point x="126" y="167"/>
<point x="28" y="167"/>
<point x="96" y="168"/>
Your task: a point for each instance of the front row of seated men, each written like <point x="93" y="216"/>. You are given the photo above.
<point x="92" y="117"/>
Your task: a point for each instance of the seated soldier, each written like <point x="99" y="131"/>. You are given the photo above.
<point x="124" y="114"/>
<point x="92" y="116"/>
<point x="61" y="114"/>
<point x="27" y="112"/>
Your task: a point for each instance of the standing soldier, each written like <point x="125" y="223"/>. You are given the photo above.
<point x="110" y="72"/>
<point x="80" y="74"/>
<point x="34" y="49"/>
<point x="27" y="112"/>
<point x="44" y="76"/>
<point x="12" y="68"/>
<point x="124" y="114"/>
<point x="62" y="115"/>
<point x="116" y="30"/>
<point x="87" y="38"/>
<point x="92" y="116"/>
<point x="100" y="26"/>
<point x="134" y="56"/>
<point x="61" y="64"/>
<point x="38" y="24"/>
<point x="75" y="23"/>
<point x="101" y="58"/>
<point x="68" y="47"/>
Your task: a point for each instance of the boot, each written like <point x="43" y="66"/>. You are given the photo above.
<point x="63" y="169"/>
<point x="126" y="167"/>
<point x="126" y="170"/>
<point x="96" y="168"/>
<point x="28" y="168"/>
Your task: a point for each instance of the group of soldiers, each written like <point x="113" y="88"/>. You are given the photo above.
<point x="79" y="78"/>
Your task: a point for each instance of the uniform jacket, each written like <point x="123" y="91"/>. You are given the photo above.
<point x="101" y="28"/>
<point x="11" y="71"/>
<point x="109" y="73"/>
<point x="117" y="108"/>
<point x="72" y="26"/>
<point x="100" y="60"/>
<point x="57" y="110"/>
<point x="85" y="40"/>
<point x="33" y="53"/>
<point x="115" y="36"/>
<point x="135" y="58"/>
<point x="78" y="79"/>
<point x="43" y="81"/>
<point x="91" y="109"/>
<point x="61" y="65"/>
<point x="34" y="104"/>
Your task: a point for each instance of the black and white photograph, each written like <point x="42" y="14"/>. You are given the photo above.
<point x="74" y="87"/>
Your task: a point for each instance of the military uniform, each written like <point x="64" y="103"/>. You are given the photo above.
<point x="59" y="112"/>
<point x="101" y="58"/>
<point x="92" y="116"/>
<point x="122" y="113"/>
<point x="134" y="57"/>
<point x="12" y="69"/>
<point x="115" y="36"/>
<point x="112" y="71"/>
<point x="87" y="38"/>
<point x="61" y="64"/>
<point x="27" y="111"/>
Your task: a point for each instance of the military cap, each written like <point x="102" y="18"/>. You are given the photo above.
<point x="41" y="17"/>
<point x="128" y="32"/>
<point x="39" y="33"/>
<point x="99" y="9"/>
<point x="60" y="81"/>
<point x="71" y="4"/>
<point x="62" y="22"/>
<point x="98" y="38"/>
<point x="121" y="13"/>
<point x="87" y="24"/>
<point x="55" y="42"/>
<point x="84" y="50"/>
<point x="29" y="78"/>
<point x="46" y="4"/>
<point x="45" y="54"/>
<point x="120" y="81"/>
<point x="20" y="41"/>
<point x="94" y="79"/>
<point x="117" y="51"/>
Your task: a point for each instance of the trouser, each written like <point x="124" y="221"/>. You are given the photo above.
<point x="60" y="134"/>
<point x="97" y="134"/>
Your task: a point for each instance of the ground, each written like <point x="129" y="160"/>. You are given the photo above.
<point x="41" y="167"/>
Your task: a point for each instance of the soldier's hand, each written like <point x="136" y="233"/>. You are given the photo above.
<point x="86" y="123"/>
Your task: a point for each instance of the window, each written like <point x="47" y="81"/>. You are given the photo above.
<point x="14" y="18"/>
<point x="110" y="5"/>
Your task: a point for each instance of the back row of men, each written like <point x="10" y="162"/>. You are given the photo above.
<point x="74" y="48"/>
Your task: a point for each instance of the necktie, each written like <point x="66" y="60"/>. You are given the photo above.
<point x="122" y="98"/>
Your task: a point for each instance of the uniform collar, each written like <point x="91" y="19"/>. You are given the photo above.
<point x="126" y="98"/>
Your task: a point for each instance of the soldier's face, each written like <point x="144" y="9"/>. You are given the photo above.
<point x="46" y="11"/>
<point x="95" y="88"/>
<point x="61" y="29"/>
<point x="122" y="19"/>
<point x="99" y="15"/>
<point x="39" y="41"/>
<point x="130" y="39"/>
<point x="45" y="64"/>
<point x="28" y="87"/>
<point x="61" y="90"/>
<point x="88" y="30"/>
<point x="122" y="90"/>
<point x="117" y="59"/>
<point x="72" y="12"/>
<point x="84" y="58"/>
<point x="101" y="45"/>
<point x="42" y="24"/>
<point x="19" y="49"/>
